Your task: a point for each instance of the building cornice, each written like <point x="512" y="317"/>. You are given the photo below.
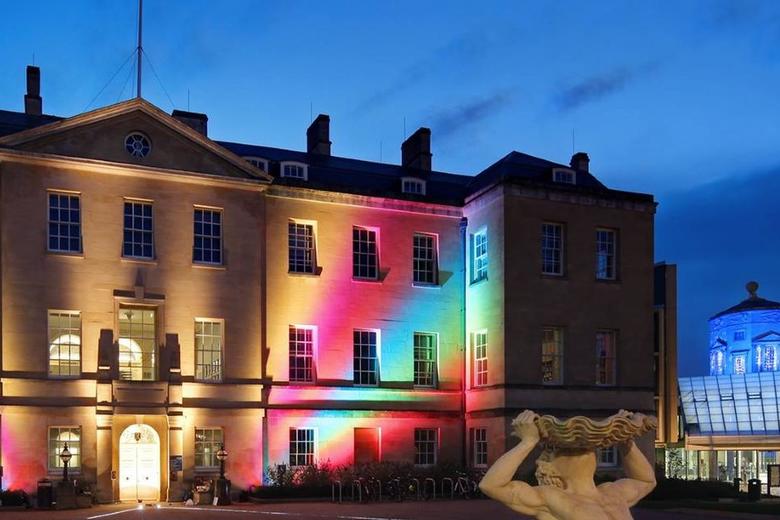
<point x="128" y="170"/>
<point x="348" y="199"/>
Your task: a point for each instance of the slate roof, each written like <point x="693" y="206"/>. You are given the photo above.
<point x="750" y="304"/>
<point x="340" y="174"/>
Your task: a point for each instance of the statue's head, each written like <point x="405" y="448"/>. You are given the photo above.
<point x="556" y="467"/>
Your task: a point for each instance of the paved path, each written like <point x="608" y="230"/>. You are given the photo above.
<point x="445" y="510"/>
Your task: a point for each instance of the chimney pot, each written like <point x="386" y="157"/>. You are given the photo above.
<point x="580" y="161"/>
<point x="195" y="120"/>
<point x="318" y="136"/>
<point x="33" y="103"/>
<point x="416" y="150"/>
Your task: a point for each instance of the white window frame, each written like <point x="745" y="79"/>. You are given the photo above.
<point x="553" y="250"/>
<point x="564" y="176"/>
<point x="611" y="453"/>
<point x="257" y="162"/>
<point x="58" y="222"/>
<point x="479" y="261"/>
<point x="304" y="166"/>
<point x="610" y="255"/>
<point x="405" y="181"/>
<point x="313" y="225"/>
<point x="611" y="361"/>
<point x="377" y="359"/>
<point x="433" y="363"/>
<point x="315" y="447"/>
<point x="202" y="235"/>
<point x="214" y="444"/>
<point x="212" y="321"/>
<point x="377" y="251"/>
<point x="556" y="357"/>
<point x="435" y="442"/>
<point x="143" y="202"/>
<point x="418" y="260"/>
<point x="73" y="466"/>
<point x="479" y="365"/>
<point x="67" y="331"/>
<point x="153" y="363"/>
<point x="479" y="447"/>
<point x="313" y="356"/>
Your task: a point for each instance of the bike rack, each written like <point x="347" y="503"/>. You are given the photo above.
<point x="356" y="483"/>
<point x="452" y="487"/>
<point x="333" y="485"/>
<point x="433" y="487"/>
<point x="379" y="488"/>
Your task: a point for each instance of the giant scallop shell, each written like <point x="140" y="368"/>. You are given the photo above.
<point x="585" y="433"/>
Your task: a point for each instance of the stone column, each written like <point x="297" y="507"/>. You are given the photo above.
<point x="105" y="456"/>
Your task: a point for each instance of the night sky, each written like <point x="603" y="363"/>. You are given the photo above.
<point x="678" y="99"/>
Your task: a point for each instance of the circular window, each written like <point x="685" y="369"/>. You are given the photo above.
<point x="138" y="145"/>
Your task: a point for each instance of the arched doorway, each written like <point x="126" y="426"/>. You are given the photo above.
<point x="139" y="463"/>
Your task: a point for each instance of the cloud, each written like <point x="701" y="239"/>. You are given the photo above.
<point x="448" y="122"/>
<point x="721" y="235"/>
<point x="460" y="50"/>
<point x="599" y="86"/>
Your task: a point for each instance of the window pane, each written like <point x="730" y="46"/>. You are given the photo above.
<point x="207" y="237"/>
<point x="300" y="247"/>
<point x="424" y="259"/>
<point x="552" y="248"/>
<point x="64" y="223"/>
<point x="64" y="331"/>
<point x="208" y="441"/>
<point x="208" y="350"/>
<point x="365" y="361"/>
<point x="301" y="348"/>
<point x="425" y="359"/>
<point x="605" y="254"/>
<point x="365" y="260"/>
<point x="137" y="344"/>
<point x="138" y="230"/>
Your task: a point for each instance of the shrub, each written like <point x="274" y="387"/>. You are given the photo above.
<point x="676" y="489"/>
<point x="14" y="497"/>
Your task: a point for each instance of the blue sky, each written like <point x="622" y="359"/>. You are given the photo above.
<point x="679" y="99"/>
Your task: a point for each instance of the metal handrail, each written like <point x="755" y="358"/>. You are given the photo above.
<point x="425" y="485"/>
<point x="452" y="486"/>
<point x="359" y="488"/>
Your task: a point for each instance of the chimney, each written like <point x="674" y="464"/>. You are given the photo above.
<point x="416" y="150"/>
<point x="318" y="136"/>
<point x="580" y="161"/>
<point x="33" y="103"/>
<point x="196" y="121"/>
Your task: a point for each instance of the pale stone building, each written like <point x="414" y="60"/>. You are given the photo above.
<point x="164" y="293"/>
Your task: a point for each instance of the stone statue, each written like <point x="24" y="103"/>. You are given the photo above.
<point x="566" y="467"/>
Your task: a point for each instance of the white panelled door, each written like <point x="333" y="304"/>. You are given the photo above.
<point x="139" y="463"/>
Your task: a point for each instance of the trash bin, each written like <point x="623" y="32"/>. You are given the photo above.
<point x="754" y="490"/>
<point x="737" y="483"/>
<point x="45" y="494"/>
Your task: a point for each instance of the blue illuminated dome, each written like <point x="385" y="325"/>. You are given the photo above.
<point x="745" y="338"/>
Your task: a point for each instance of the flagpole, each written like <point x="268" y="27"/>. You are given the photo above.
<point x="139" y="49"/>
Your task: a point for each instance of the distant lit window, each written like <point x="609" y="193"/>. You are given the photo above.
<point x="479" y="365"/>
<point x="294" y="170"/>
<point x="479" y="449"/>
<point x="64" y="343"/>
<point x="301" y="247"/>
<point x="739" y="335"/>
<point x="552" y="355"/>
<point x="301" y="347"/>
<point x="64" y="222"/>
<point x="257" y="162"/>
<point x="717" y="365"/>
<point x="564" y="176"/>
<point x="770" y="358"/>
<point x="365" y="359"/>
<point x="425" y="359"/>
<point x="208" y="442"/>
<point x="424" y="259"/>
<point x="606" y="457"/>
<point x="209" y="336"/>
<point x="605" y="254"/>
<point x="413" y="186"/>
<point x="425" y="446"/>
<point x="303" y="446"/>
<point x="739" y="364"/>
<point x="365" y="253"/>
<point x="552" y="248"/>
<point x="207" y="242"/>
<point x="479" y="256"/>
<point x="138" y="230"/>
<point x="605" y="357"/>
<point x="138" y="145"/>
<point x="59" y="436"/>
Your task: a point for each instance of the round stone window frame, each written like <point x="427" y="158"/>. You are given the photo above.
<point x="138" y="145"/>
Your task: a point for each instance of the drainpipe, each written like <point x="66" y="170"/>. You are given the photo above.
<point x="464" y="257"/>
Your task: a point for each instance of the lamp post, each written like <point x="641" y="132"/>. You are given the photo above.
<point x="223" y="486"/>
<point x="65" y="456"/>
<point x="222" y="456"/>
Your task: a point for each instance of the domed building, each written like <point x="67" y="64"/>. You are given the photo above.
<point x="732" y="416"/>
<point x="745" y="338"/>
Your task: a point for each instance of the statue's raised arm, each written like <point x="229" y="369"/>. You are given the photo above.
<point x="565" y="469"/>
